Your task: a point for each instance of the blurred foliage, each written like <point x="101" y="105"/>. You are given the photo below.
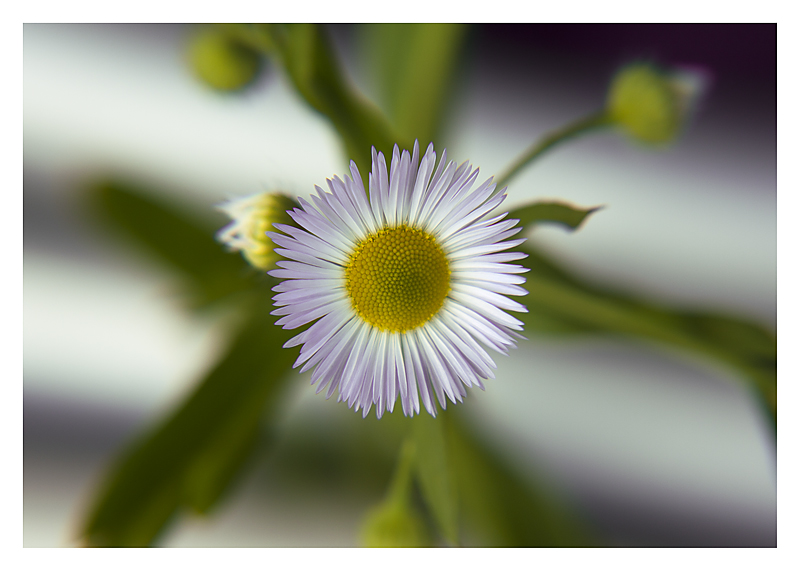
<point x="555" y="212"/>
<point x="308" y="57"/>
<point x="395" y="522"/>
<point x="222" y="62"/>
<point x="501" y="508"/>
<point x="189" y="459"/>
<point x="435" y="474"/>
<point x="174" y="236"/>
<point x="445" y="475"/>
<point x="560" y="302"/>
<point x="552" y="139"/>
<point x="413" y="66"/>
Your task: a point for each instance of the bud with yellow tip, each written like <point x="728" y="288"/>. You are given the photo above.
<point x="251" y="218"/>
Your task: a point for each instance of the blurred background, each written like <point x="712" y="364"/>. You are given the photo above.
<point x="650" y="447"/>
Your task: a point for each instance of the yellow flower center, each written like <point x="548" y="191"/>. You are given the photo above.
<point x="397" y="278"/>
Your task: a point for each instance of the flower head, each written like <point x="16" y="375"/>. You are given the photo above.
<point x="406" y="286"/>
<point x="251" y="218"/>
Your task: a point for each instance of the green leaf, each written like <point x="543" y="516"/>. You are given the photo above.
<point x="557" y="212"/>
<point x="309" y="59"/>
<point x="168" y="232"/>
<point x="501" y="508"/>
<point x="192" y="456"/>
<point x="435" y="473"/>
<point x="414" y="65"/>
<point x="559" y="301"/>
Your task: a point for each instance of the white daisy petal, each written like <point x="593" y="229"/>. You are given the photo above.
<point x="433" y="359"/>
<point x="410" y="374"/>
<point x="405" y="287"/>
<point x="308" y="243"/>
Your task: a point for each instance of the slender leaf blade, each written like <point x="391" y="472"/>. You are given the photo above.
<point x="415" y="65"/>
<point x="309" y="59"/>
<point x="191" y="457"/>
<point x="565" y="303"/>
<point x="166" y="231"/>
<point x="561" y="213"/>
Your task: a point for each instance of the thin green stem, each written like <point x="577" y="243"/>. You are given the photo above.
<point x="551" y="139"/>
<point x="400" y="486"/>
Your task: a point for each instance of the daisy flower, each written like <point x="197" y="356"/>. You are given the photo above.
<point x="405" y="288"/>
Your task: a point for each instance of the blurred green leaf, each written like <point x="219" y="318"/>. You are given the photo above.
<point x="168" y="232"/>
<point x="309" y="59"/>
<point x="414" y="65"/>
<point x="501" y="508"/>
<point x="560" y="301"/>
<point x="556" y="212"/>
<point x="191" y="457"/>
<point x="435" y="473"/>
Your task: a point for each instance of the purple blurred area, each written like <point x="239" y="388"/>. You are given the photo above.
<point x="734" y="52"/>
<point x="651" y="446"/>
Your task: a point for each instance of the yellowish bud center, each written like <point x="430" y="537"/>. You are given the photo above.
<point x="397" y="278"/>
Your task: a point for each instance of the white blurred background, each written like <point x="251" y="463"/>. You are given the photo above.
<point x="655" y="448"/>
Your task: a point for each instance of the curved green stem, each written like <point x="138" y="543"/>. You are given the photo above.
<point x="551" y="139"/>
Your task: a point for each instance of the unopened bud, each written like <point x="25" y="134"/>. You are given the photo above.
<point x="252" y="217"/>
<point x="653" y="105"/>
<point x="393" y="524"/>
<point x="222" y="62"/>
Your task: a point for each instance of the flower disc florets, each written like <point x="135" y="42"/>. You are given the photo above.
<point x="397" y="278"/>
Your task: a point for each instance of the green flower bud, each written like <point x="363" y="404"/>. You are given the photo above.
<point x="393" y="524"/>
<point x="650" y="104"/>
<point x="252" y="217"/>
<point x="221" y="61"/>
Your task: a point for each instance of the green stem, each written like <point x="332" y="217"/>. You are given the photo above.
<point x="551" y="139"/>
<point x="400" y="486"/>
